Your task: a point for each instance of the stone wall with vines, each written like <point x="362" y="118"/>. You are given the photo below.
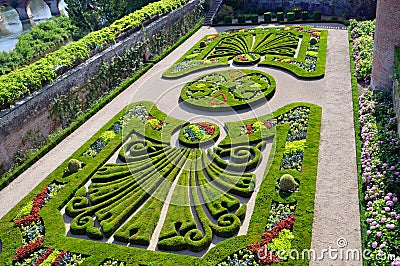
<point x="81" y="88"/>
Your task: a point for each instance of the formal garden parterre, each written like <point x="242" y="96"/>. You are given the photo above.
<point x="299" y="50"/>
<point x="117" y="191"/>
<point x="120" y="203"/>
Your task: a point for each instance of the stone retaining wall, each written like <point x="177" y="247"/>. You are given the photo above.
<point x="32" y="113"/>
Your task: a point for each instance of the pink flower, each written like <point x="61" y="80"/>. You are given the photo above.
<point x="374" y="244"/>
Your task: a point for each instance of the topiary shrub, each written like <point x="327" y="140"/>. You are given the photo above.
<point x="280" y="16"/>
<point x="313" y="41"/>
<point x="267" y="17"/>
<point x="228" y="20"/>
<point x="287" y="183"/>
<point x="74" y="165"/>
<point x="317" y="15"/>
<point x="241" y="19"/>
<point x="304" y="15"/>
<point x="290" y="16"/>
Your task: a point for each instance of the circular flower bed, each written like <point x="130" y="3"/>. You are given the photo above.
<point x="247" y="59"/>
<point x="228" y="89"/>
<point x="195" y="134"/>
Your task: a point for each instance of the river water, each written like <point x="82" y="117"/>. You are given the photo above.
<point x="11" y="27"/>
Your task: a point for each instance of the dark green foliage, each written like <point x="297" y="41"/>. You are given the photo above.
<point x="290" y="16"/>
<point x="317" y="15"/>
<point x="253" y="18"/>
<point x="267" y="17"/>
<point x="74" y="165"/>
<point x="228" y="20"/>
<point x="89" y="15"/>
<point x="304" y="15"/>
<point x="280" y="16"/>
<point x="241" y="19"/>
<point x="287" y="183"/>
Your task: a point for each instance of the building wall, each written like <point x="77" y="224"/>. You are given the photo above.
<point x="362" y="8"/>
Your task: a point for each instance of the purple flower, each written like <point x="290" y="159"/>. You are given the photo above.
<point x="379" y="234"/>
<point x="374" y="223"/>
<point x="389" y="203"/>
<point x="386" y="198"/>
<point x="387" y="209"/>
<point x="382" y="245"/>
<point x="383" y="220"/>
<point x="390" y="226"/>
<point x="374" y="244"/>
<point x="395" y="199"/>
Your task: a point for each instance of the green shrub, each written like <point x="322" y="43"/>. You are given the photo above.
<point x="304" y="15"/>
<point x="241" y="19"/>
<point x="313" y="41"/>
<point x="280" y="16"/>
<point x="287" y="183"/>
<point x="228" y="20"/>
<point x="297" y="13"/>
<point x="253" y="18"/>
<point x="290" y="16"/>
<point x="317" y="15"/>
<point x="74" y="165"/>
<point x="267" y="17"/>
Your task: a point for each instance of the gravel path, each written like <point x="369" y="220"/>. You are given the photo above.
<point x="336" y="204"/>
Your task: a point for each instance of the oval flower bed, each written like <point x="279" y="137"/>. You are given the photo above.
<point x="247" y="59"/>
<point x="195" y="134"/>
<point x="228" y="89"/>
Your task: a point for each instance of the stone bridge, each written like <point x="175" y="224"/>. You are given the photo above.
<point x="23" y="7"/>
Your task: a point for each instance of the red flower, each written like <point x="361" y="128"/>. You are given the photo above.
<point x="267" y="124"/>
<point x="249" y="129"/>
<point x="38" y="201"/>
<point x="25" y="250"/>
<point x="211" y="101"/>
<point x="45" y="255"/>
<point x="59" y="258"/>
<point x="209" y="129"/>
<point x="27" y="220"/>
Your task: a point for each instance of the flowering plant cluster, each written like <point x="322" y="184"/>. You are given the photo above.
<point x="310" y="62"/>
<point x="213" y="100"/>
<point x="362" y="33"/>
<point x="256" y="127"/>
<point x="104" y="139"/>
<point x="140" y="111"/>
<point x="380" y="174"/>
<point x="296" y="137"/>
<point x="32" y="228"/>
<point x="199" y="132"/>
<point x="277" y="237"/>
<point x="265" y="250"/>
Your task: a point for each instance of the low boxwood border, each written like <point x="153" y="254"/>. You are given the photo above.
<point x="8" y="177"/>
<point x="98" y="251"/>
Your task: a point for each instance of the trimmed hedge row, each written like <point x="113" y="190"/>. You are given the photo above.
<point x="44" y="71"/>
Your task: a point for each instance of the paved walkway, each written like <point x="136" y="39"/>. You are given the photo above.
<point x="336" y="203"/>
